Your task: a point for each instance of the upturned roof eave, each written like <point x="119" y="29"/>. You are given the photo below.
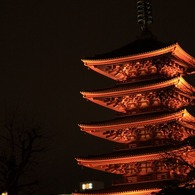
<point x="131" y="57"/>
<point x="174" y="49"/>
<point x="116" y="91"/>
<point x="184" y="114"/>
<point x="126" y="158"/>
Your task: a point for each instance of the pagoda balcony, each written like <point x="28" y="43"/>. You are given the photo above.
<point x="143" y="178"/>
<point x="142" y="144"/>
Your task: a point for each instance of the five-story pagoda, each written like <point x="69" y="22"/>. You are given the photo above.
<point x="153" y="127"/>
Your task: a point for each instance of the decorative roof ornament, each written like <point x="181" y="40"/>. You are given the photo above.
<point x="144" y="14"/>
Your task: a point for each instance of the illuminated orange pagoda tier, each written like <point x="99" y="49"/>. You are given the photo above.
<point x="152" y="128"/>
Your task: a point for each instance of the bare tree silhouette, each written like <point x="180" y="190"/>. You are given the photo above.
<point x="20" y="142"/>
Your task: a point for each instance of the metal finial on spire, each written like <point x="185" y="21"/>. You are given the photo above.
<point x="144" y="13"/>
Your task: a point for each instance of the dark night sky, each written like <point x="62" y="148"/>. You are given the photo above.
<point x="42" y="43"/>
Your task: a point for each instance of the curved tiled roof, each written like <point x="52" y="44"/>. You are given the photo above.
<point x="140" y="45"/>
<point x="138" y="87"/>
<point x="174" y="49"/>
<point x="133" y="153"/>
<point x="141" y="118"/>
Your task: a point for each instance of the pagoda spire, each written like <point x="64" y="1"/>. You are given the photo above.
<point x="144" y="14"/>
